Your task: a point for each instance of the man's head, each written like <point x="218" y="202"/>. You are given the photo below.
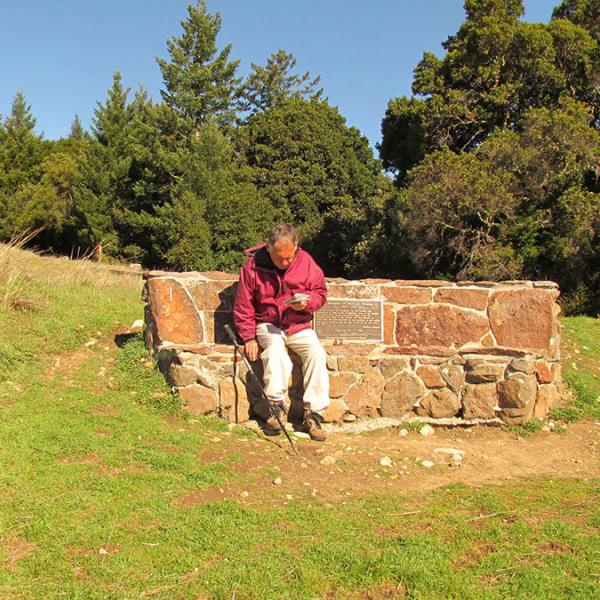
<point x="282" y="245"/>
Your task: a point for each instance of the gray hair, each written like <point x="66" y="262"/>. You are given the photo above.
<point x="283" y="230"/>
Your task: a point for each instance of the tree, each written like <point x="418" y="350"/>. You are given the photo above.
<point x="269" y="86"/>
<point x="585" y="13"/>
<point x="47" y="205"/>
<point x="316" y="172"/>
<point x="579" y="23"/>
<point x="104" y="182"/>
<point x="495" y="69"/>
<point x="77" y="132"/>
<point x="199" y="83"/>
<point x="21" y="154"/>
<point x="456" y="211"/>
<point x="523" y="205"/>
<point x="214" y="211"/>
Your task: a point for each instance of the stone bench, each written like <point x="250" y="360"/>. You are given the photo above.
<point x="474" y="350"/>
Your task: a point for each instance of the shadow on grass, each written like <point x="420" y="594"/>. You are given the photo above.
<point x="122" y="338"/>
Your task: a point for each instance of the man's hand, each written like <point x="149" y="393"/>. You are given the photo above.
<point x="251" y="349"/>
<point x="298" y="305"/>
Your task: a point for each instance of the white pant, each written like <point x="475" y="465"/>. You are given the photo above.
<point x="278" y="365"/>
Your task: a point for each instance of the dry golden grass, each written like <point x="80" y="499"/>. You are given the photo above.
<point x="18" y="267"/>
<point x="11" y="279"/>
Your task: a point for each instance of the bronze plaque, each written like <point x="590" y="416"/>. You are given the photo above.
<point x="347" y="319"/>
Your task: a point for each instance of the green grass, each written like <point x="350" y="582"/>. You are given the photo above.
<point x="581" y="367"/>
<point x="525" y="429"/>
<point x="95" y="458"/>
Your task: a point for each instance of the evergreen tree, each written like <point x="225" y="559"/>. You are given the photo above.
<point x="48" y="204"/>
<point x="214" y="212"/>
<point x="21" y="154"/>
<point x="317" y="173"/>
<point x="515" y="105"/>
<point x="585" y="13"/>
<point x="103" y="183"/>
<point x="77" y="132"/>
<point x="495" y="69"/>
<point x="269" y="86"/>
<point x="199" y="82"/>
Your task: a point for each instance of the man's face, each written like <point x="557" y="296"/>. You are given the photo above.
<point x="282" y="253"/>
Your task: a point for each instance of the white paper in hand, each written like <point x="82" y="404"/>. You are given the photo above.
<point x="298" y="297"/>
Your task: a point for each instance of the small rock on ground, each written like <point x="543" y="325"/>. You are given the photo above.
<point x="450" y="451"/>
<point x="427" y="430"/>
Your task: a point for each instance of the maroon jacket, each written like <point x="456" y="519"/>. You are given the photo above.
<point x="263" y="288"/>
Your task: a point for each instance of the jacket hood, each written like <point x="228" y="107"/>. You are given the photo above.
<point x="254" y="249"/>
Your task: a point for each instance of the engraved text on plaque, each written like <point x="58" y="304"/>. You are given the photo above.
<point x="350" y="319"/>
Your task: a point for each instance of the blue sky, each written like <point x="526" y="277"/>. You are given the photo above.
<point x="62" y="53"/>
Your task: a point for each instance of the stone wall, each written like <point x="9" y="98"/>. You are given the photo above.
<point x="471" y="350"/>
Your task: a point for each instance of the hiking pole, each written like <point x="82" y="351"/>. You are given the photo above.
<point x="275" y="413"/>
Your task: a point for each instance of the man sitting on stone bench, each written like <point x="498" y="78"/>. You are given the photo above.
<point x="280" y="288"/>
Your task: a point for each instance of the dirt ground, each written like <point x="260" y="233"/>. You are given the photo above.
<point x="349" y="464"/>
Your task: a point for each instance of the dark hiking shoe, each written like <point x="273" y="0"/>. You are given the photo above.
<point x="312" y="426"/>
<point x="278" y="409"/>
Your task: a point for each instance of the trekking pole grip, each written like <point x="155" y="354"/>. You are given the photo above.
<point x="229" y="331"/>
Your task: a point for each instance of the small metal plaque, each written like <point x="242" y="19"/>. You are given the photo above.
<point x="350" y="319"/>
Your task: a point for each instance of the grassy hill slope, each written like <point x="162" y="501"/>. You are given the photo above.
<point x="108" y="491"/>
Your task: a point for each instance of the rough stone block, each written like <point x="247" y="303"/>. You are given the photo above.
<point x="401" y="393"/>
<point x="543" y="372"/>
<point x="353" y="290"/>
<point x="516" y="416"/>
<point x="440" y="404"/>
<point x="488" y="340"/>
<point x="524" y="365"/>
<point x="198" y="400"/>
<point x="389" y="325"/>
<point x="173" y="312"/>
<point x="335" y="412"/>
<point x="391" y="366"/>
<point x="406" y="295"/>
<point x="356" y="349"/>
<point x="233" y="401"/>
<point x="213" y="295"/>
<point x="181" y="376"/>
<point x="453" y="375"/>
<point x="522" y="318"/>
<point x="484" y="372"/>
<point x="476" y="299"/>
<point x="332" y="363"/>
<point x="358" y="364"/>
<point x="547" y="397"/>
<point x="339" y="383"/>
<point x="479" y="400"/>
<point x="439" y="325"/>
<point x="517" y="392"/>
<point x="364" y="397"/>
<point x="426" y="283"/>
<point x="208" y="372"/>
<point x="430" y="376"/>
<point x="415" y="350"/>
